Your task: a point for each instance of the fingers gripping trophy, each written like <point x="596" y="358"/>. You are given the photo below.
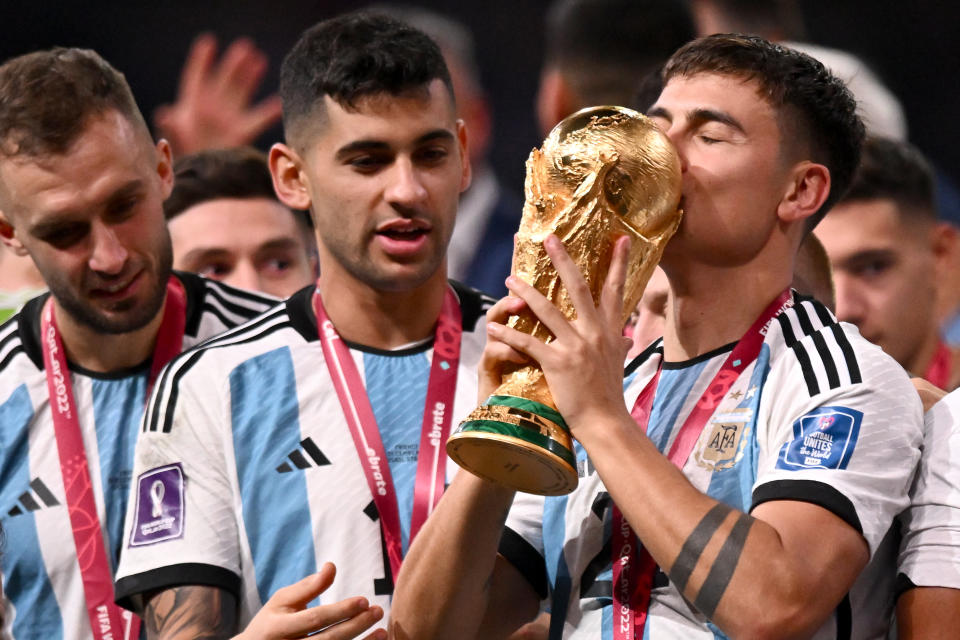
<point x="602" y="173"/>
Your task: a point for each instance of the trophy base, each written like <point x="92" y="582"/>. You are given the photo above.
<point x="517" y="443"/>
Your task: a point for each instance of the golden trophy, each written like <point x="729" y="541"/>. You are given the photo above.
<point x="602" y="173"/>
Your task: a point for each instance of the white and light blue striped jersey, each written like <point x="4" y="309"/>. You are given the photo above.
<point x="930" y="528"/>
<point x="43" y="593"/>
<point x="822" y="416"/>
<point x="246" y="451"/>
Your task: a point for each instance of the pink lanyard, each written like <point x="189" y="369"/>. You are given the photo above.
<point x="938" y="373"/>
<point x="432" y="458"/>
<point x="106" y="618"/>
<point x="632" y="571"/>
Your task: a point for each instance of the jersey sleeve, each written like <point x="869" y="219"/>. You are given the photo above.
<point x="850" y="448"/>
<point x="522" y="540"/>
<point x="180" y="526"/>
<point x="930" y="547"/>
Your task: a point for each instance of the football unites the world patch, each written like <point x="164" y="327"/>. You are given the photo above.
<point x="822" y="439"/>
<point x="158" y="513"/>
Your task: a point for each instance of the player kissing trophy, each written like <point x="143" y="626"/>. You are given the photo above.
<point x="602" y="173"/>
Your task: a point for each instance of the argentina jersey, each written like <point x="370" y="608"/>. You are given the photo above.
<point x="821" y="416"/>
<point x="245" y="461"/>
<point x="43" y="595"/>
<point x="931" y="526"/>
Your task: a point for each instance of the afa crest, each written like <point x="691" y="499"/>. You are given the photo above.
<point x="722" y="442"/>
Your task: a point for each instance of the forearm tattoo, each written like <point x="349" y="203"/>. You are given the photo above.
<point x="203" y="613"/>
<point x="693" y="548"/>
<point x="724" y="564"/>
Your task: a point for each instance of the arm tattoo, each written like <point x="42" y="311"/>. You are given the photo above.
<point x="194" y="612"/>
<point x="723" y="567"/>
<point x="693" y="548"/>
<point x="721" y="571"/>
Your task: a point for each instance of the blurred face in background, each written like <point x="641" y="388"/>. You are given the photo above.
<point x="885" y="272"/>
<point x="255" y="243"/>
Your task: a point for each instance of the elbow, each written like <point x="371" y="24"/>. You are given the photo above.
<point x="783" y="620"/>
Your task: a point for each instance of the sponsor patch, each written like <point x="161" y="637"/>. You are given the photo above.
<point x="823" y="439"/>
<point x="159" y="509"/>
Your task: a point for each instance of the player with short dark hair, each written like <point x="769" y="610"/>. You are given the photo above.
<point x="889" y="255"/>
<point x="81" y="192"/>
<point x="323" y="439"/>
<point x="753" y="465"/>
<point x="226" y="224"/>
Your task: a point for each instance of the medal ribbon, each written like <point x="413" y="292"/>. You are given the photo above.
<point x="938" y="373"/>
<point x="437" y="417"/>
<point x="633" y="571"/>
<point x="107" y="620"/>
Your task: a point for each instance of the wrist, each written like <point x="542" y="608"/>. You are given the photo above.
<point x="600" y="429"/>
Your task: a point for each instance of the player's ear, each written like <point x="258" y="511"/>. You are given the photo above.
<point x="945" y="246"/>
<point x="466" y="174"/>
<point x="9" y="237"/>
<point x="164" y="162"/>
<point x="289" y="179"/>
<point x="806" y="189"/>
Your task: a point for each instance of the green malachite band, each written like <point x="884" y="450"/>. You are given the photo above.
<point x="532" y="406"/>
<point x="523" y="433"/>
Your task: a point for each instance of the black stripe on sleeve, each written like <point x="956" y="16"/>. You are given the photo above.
<point x="13" y="331"/>
<point x="28" y="326"/>
<point x="806" y="367"/>
<point x="10" y="356"/>
<point x="212" y="310"/>
<point x="229" y="305"/>
<point x="258" y="302"/>
<point x="833" y="376"/>
<point x="128" y="590"/>
<point x="813" y="492"/>
<point x="823" y="313"/>
<point x="848" y="355"/>
<point x="195" y="356"/>
<point x="194" y="288"/>
<point x="171" y="375"/>
<point x="525" y="558"/>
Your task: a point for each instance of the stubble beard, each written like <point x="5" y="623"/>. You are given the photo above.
<point x="363" y="269"/>
<point x="131" y="316"/>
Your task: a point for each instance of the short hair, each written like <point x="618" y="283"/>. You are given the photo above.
<point x="812" y="104"/>
<point x="48" y="97"/>
<point x="894" y="170"/>
<point x="240" y="173"/>
<point x="353" y="56"/>
<point x="604" y="48"/>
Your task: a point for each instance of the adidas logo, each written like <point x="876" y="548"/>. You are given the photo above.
<point x="300" y="461"/>
<point x="31" y="501"/>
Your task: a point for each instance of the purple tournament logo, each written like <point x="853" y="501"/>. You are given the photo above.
<point x="158" y="514"/>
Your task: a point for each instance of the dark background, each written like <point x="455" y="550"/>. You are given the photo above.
<point x="913" y="46"/>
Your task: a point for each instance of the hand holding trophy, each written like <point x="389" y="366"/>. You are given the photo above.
<point x="602" y="173"/>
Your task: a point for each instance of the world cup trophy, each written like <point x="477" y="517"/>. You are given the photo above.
<point x="602" y="173"/>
